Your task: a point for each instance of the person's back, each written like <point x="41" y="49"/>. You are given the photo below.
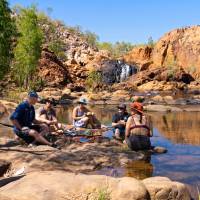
<point x="139" y="126"/>
<point x="24" y="113"/>
<point x="137" y="129"/>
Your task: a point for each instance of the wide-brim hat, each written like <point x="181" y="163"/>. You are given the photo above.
<point x="83" y="101"/>
<point x="137" y="106"/>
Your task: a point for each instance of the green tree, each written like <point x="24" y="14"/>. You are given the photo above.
<point x="150" y="41"/>
<point x="91" y="38"/>
<point x="105" y="46"/>
<point x="28" y="48"/>
<point x="116" y="50"/>
<point x="121" y="48"/>
<point x="7" y="30"/>
<point x="50" y="30"/>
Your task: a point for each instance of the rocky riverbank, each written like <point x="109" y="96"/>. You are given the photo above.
<point x="67" y="186"/>
<point x="49" y="174"/>
<point x="49" y="164"/>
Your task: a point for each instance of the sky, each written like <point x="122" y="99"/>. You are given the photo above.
<point x="122" y="20"/>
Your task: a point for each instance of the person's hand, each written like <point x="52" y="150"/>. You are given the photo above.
<point x="55" y="121"/>
<point x="25" y="129"/>
<point x="49" y="122"/>
<point x="89" y="113"/>
<point x="122" y="122"/>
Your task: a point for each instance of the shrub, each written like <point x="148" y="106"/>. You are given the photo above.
<point x="93" y="80"/>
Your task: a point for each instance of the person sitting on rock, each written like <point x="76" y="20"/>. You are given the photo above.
<point x="82" y="117"/>
<point x="138" y="129"/>
<point x="47" y="115"/>
<point x="119" y="120"/>
<point x="26" y="126"/>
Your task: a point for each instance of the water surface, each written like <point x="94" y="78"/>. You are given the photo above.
<point x="179" y="132"/>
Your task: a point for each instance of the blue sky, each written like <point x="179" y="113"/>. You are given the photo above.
<point x="122" y="20"/>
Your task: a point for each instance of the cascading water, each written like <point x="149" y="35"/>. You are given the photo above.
<point x="118" y="71"/>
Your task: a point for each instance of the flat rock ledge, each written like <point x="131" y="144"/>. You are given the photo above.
<point x="75" y="157"/>
<point x="60" y="185"/>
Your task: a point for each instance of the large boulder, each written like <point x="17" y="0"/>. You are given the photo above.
<point x="50" y="185"/>
<point x="59" y="185"/>
<point x="161" y="188"/>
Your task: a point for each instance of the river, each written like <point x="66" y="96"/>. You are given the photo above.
<point x="178" y="132"/>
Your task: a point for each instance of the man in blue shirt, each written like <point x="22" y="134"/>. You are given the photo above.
<point x="25" y="124"/>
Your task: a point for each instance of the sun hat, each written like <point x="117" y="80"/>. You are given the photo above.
<point x="136" y="106"/>
<point x="82" y="101"/>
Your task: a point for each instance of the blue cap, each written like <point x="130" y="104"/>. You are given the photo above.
<point x="33" y="94"/>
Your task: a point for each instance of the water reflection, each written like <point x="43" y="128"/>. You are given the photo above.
<point x="139" y="169"/>
<point x="180" y="127"/>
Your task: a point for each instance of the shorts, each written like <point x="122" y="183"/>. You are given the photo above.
<point x="80" y="124"/>
<point x="138" y="142"/>
<point x="24" y="135"/>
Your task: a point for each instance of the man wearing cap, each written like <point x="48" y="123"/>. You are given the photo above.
<point x="47" y="115"/>
<point x="25" y="124"/>
<point x="119" y="121"/>
<point x="82" y="117"/>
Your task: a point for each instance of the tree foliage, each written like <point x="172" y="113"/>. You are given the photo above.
<point x="49" y="28"/>
<point x="117" y="49"/>
<point x="28" y="48"/>
<point x="7" y="32"/>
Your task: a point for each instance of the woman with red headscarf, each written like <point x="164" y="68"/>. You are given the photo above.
<point x="138" y="129"/>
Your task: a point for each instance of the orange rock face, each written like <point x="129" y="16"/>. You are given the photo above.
<point x="141" y="56"/>
<point x="178" y="48"/>
<point x="51" y="70"/>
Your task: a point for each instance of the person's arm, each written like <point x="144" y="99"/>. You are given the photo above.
<point x="16" y="124"/>
<point x="40" y="120"/>
<point x="128" y="127"/>
<point x="36" y="121"/>
<point x="16" y="115"/>
<point x="74" y="115"/>
<point x="116" y="123"/>
<point x="150" y="125"/>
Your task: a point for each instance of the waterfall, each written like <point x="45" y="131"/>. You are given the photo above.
<point x="118" y="71"/>
<point x="126" y="71"/>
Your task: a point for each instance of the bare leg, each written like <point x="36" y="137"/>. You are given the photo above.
<point x="91" y="121"/>
<point x="117" y="133"/>
<point x="85" y="120"/>
<point x="39" y="138"/>
<point x="45" y="129"/>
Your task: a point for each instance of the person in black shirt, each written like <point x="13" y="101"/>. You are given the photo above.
<point x="119" y="121"/>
